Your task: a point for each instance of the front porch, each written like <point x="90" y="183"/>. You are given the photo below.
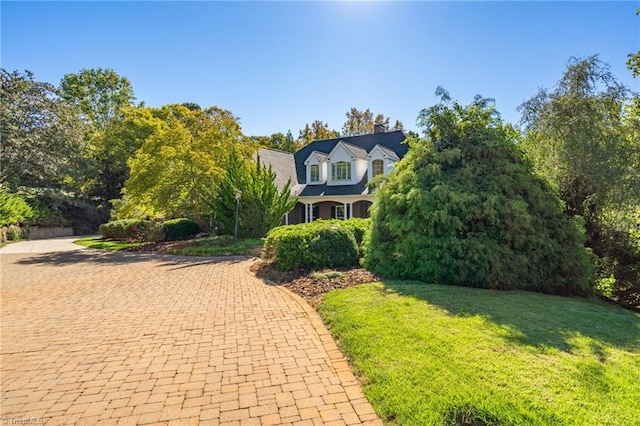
<point x="309" y="209"/>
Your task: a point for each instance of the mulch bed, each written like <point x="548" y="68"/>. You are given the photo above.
<point x="311" y="289"/>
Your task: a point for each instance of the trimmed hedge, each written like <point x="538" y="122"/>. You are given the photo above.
<point x="149" y="230"/>
<point x="180" y="229"/>
<point x="317" y="245"/>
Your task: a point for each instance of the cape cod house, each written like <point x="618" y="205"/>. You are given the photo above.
<point x="330" y="176"/>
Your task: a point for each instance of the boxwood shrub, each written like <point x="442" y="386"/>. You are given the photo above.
<point x="149" y="230"/>
<point x="180" y="229"/>
<point x="132" y="230"/>
<point x="317" y="245"/>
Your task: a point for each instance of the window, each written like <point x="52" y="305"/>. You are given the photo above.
<point x="338" y="212"/>
<point x="341" y="171"/>
<point x="315" y="173"/>
<point x="377" y="167"/>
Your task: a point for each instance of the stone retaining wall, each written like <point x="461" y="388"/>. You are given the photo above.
<point x="38" y="232"/>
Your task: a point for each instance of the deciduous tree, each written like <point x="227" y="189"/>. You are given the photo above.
<point x="42" y="137"/>
<point x="582" y="137"/>
<point x="97" y="93"/>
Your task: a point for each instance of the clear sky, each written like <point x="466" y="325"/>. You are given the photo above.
<point x="279" y="65"/>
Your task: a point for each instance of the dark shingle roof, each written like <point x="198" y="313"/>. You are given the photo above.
<point x="324" y="189"/>
<point x="391" y="140"/>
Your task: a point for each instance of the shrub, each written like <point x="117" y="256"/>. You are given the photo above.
<point x="13" y="208"/>
<point x="14" y="233"/>
<point x="316" y="245"/>
<point x="180" y="229"/>
<point x="132" y="230"/>
<point x="464" y="208"/>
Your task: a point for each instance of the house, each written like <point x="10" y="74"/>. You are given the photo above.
<point x="330" y="176"/>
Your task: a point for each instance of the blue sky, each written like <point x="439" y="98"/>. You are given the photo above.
<point x="279" y="65"/>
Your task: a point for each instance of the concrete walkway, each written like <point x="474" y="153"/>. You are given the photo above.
<point x="103" y="338"/>
<point x="41" y="246"/>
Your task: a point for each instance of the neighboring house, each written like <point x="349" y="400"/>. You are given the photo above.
<point x="330" y="176"/>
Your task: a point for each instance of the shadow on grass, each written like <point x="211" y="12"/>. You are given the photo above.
<point x="120" y="258"/>
<point x="536" y="320"/>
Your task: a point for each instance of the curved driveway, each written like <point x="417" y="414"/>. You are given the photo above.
<point x="91" y="337"/>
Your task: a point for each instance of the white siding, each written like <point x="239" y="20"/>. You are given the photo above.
<point x="340" y="154"/>
<point x="312" y="160"/>
<point x="377" y="154"/>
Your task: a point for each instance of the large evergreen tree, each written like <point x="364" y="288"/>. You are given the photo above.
<point x="464" y="208"/>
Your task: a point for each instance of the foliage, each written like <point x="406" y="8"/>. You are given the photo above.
<point x="362" y="122"/>
<point x="59" y="208"/>
<point x="115" y="145"/>
<point x="145" y="230"/>
<point x="42" y="138"/>
<point x="316" y="131"/>
<point x="463" y="208"/>
<point x="14" y="233"/>
<point x="278" y="141"/>
<point x="583" y="137"/>
<point x="316" y="245"/>
<point x="179" y="229"/>
<point x="177" y="168"/>
<point x="633" y="59"/>
<point x="261" y="206"/>
<point x="97" y="94"/>
<point x="431" y="354"/>
<point x="14" y="209"/>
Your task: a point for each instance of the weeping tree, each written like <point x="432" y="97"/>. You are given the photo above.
<point x="582" y="136"/>
<point x="464" y="208"/>
<point x="261" y="206"/>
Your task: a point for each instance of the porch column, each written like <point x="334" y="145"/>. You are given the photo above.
<point x="346" y="211"/>
<point x="286" y="218"/>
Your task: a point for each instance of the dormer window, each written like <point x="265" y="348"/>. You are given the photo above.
<point x="341" y="171"/>
<point x="377" y="167"/>
<point x="314" y="173"/>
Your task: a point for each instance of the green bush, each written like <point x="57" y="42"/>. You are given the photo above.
<point x="180" y="229"/>
<point x="316" y="245"/>
<point x="132" y="230"/>
<point x="14" y="233"/>
<point x="14" y="208"/>
<point x="464" y="208"/>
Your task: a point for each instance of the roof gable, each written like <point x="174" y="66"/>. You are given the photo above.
<point x="353" y="150"/>
<point x="390" y="140"/>
<point x="386" y="152"/>
<point x="320" y="156"/>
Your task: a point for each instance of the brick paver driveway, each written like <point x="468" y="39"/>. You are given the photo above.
<point x="94" y="337"/>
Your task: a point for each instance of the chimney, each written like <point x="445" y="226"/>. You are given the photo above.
<point x="379" y="128"/>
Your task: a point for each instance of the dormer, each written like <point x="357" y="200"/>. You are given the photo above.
<point x="316" y="166"/>
<point x="379" y="161"/>
<point x="347" y="164"/>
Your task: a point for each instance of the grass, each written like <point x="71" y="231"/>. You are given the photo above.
<point x="99" y="243"/>
<point x="439" y="355"/>
<point x="216" y="246"/>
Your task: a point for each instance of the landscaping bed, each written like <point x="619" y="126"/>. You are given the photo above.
<point x="312" y="286"/>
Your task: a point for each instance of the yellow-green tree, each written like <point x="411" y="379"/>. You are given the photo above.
<point x="176" y="168"/>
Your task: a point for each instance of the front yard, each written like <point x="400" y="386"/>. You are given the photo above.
<point x="432" y="355"/>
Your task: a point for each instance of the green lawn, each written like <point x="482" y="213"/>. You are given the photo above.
<point x="434" y="355"/>
<point x="217" y="246"/>
<point x="99" y="243"/>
